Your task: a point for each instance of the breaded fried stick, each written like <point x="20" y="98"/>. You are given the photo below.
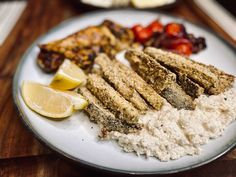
<point x="112" y="99"/>
<point x="112" y="75"/>
<point x="99" y="114"/>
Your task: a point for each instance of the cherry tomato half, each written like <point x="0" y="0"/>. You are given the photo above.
<point x="136" y="29"/>
<point x="155" y="27"/>
<point x="174" y="30"/>
<point x="144" y="35"/>
<point x="184" y="49"/>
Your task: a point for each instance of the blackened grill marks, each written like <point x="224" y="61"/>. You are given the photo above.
<point x="50" y="61"/>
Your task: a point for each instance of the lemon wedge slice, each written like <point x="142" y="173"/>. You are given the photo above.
<point x="78" y="100"/>
<point x="68" y="76"/>
<point x="50" y="102"/>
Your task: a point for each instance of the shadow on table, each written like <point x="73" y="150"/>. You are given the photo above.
<point x="218" y="168"/>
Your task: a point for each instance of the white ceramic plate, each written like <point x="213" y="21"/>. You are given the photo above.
<point x="76" y="137"/>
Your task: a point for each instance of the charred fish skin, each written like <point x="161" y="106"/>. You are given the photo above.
<point x="148" y="68"/>
<point x="99" y="114"/>
<point x="170" y="90"/>
<point x="84" y="45"/>
<point x="111" y="74"/>
<point x="175" y="95"/>
<point x="112" y="99"/>
<point x="134" y="80"/>
<point x="211" y="79"/>
<point x="191" y="88"/>
<point x="80" y="47"/>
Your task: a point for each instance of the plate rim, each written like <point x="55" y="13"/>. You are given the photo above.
<point x="24" y="117"/>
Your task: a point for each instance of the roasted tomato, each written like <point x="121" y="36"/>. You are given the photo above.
<point x="155" y="27"/>
<point x="185" y="49"/>
<point x="144" y="35"/>
<point x="136" y="29"/>
<point x="179" y="45"/>
<point x="169" y="42"/>
<point x="141" y="34"/>
<point x="172" y="36"/>
<point x="174" y="30"/>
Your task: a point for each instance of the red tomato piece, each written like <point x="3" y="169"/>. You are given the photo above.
<point x="178" y="41"/>
<point x="144" y="35"/>
<point x="171" y="43"/>
<point x="136" y="28"/>
<point x="156" y="27"/>
<point x="174" y="30"/>
<point x="184" y="49"/>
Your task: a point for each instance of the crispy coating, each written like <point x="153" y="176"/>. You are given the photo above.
<point x="161" y="79"/>
<point x="211" y="79"/>
<point x="112" y="99"/>
<point x="134" y="80"/>
<point x="99" y="114"/>
<point x="113" y="76"/>
<point x="154" y="74"/>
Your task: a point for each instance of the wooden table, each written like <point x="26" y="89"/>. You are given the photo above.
<point x="20" y="153"/>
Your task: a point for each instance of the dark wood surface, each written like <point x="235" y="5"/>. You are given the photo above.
<point x="23" y="155"/>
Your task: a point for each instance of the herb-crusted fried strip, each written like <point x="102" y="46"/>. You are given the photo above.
<point x="161" y="79"/>
<point x="225" y="80"/>
<point x="112" y="75"/>
<point x="112" y="99"/>
<point x="135" y="81"/>
<point x="154" y="74"/>
<point x="178" y="63"/>
<point x="211" y="79"/>
<point x="99" y="114"/>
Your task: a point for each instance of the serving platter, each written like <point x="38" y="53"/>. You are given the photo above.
<point x="76" y="137"/>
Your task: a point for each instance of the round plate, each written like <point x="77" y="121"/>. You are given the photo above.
<point x="76" y="137"/>
<point x="163" y="6"/>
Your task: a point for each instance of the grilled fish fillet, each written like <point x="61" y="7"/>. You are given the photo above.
<point x="99" y="114"/>
<point x="83" y="46"/>
<point x="134" y="80"/>
<point x="211" y="79"/>
<point x="112" y="99"/>
<point x="161" y="79"/>
<point x="112" y="75"/>
<point x="80" y="47"/>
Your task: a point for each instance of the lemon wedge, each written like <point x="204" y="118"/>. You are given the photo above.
<point x="78" y="100"/>
<point x="50" y="102"/>
<point x="68" y="76"/>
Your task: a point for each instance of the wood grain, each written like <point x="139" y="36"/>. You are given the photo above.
<point x="55" y="166"/>
<point x="20" y="153"/>
<point x="200" y="13"/>
<point x="15" y="139"/>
